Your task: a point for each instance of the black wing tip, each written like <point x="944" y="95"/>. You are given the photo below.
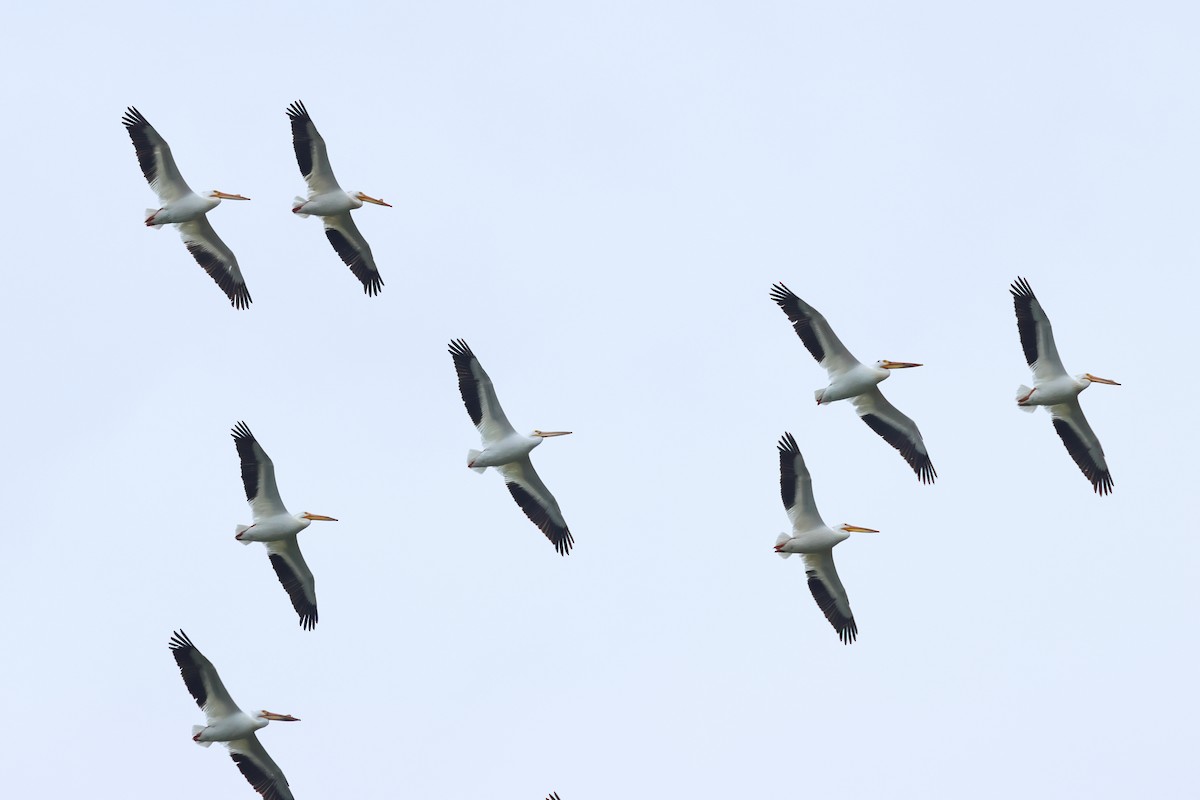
<point x="787" y="444"/>
<point x="241" y="432"/>
<point x="240" y="298"/>
<point x="306" y="609"/>
<point x="372" y="284"/>
<point x="460" y="349"/>
<point x="920" y="462"/>
<point x="1100" y="478"/>
<point x="553" y="796"/>
<point x="180" y="641"/>
<point x="1102" y="484"/>
<point x="133" y="118"/>
<point x="846" y="627"/>
<point x="296" y="110"/>
<point x="1020" y="289"/>
<point x="780" y="293"/>
<point x="559" y="536"/>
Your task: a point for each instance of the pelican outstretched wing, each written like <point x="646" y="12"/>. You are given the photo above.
<point x="297" y="579"/>
<point x="311" y="155"/>
<point x="478" y="394"/>
<point x="1083" y="444"/>
<point x="814" y="331"/>
<point x="354" y="251"/>
<point x="259" y="768"/>
<point x="1037" y="337"/>
<point x="795" y="485"/>
<point x="215" y="257"/>
<point x="154" y="157"/>
<point x="538" y="504"/>
<point x="827" y="590"/>
<point x="258" y="475"/>
<point x="897" y="430"/>
<point x="201" y="678"/>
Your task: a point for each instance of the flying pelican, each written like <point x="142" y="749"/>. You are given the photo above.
<point x="229" y="724"/>
<point x="330" y="202"/>
<point x="507" y="450"/>
<point x="275" y="527"/>
<point x="815" y="540"/>
<point x="185" y="208"/>
<point x="848" y="378"/>
<point x="1055" y="389"/>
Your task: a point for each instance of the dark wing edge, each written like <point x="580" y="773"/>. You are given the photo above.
<point x="788" y="450"/>
<point x="306" y="609"/>
<point x="137" y="126"/>
<point x="847" y="629"/>
<point x="802" y="322"/>
<point x="468" y="385"/>
<point x="353" y="258"/>
<point x="187" y="657"/>
<point x="1099" y="476"/>
<point x="559" y="535"/>
<point x="218" y="270"/>
<point x="244" y="440"/>
<point x="263" y="783"/>
<point x="301" y="140"/>
<point x="920" y="462"/>
<point x="1023" y="300"/>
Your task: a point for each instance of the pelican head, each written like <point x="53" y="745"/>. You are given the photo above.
<point x="363" y="197"/>
<point x="1088" y="379"/>
<point x="885" y="364"/>
<point x="218" y="195"/>
<point x="271" y="716"/>
<point x="855" y="528"/>
<point x="315" y="517"/>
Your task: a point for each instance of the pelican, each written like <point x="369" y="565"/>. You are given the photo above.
<point x="229" y="724"/>
<point x="330" y="202"/>
<point x="275" y="527"/>
<point x="1055" y="389"/>
<point x="848" y="378"/>
<point x="815" y="540"/>
<point x="186" y="209"/>
<point x="507" y="450"/>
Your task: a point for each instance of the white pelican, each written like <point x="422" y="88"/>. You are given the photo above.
<point x="1055" y="389"/>
<point x="507" y="450"/>
<point x="848" y="378"/>
<point x="275" y="527"/>
<point x="815" y="540"/>
<point x="330" y="202"/>
<point x="183" y="207"/>
<point x="229" y="724"/>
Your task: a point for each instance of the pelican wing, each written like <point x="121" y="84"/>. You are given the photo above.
<point x="201" y="678"/>
<point x="538" y="504"/>
<point x="478" y="394"/>
<point x="795" y="485"/>
<point x="1082" y="444"/>
<point x="216" y="258"/>
<point x="154" y="157"/>
<point x="354" y="251"/>
<point x="827" y="590"/>
<point x="897" y="430"/>
<point x="297" y="579"/>
<point x="259" y="768"/>
<point x="1037" y="337"/>
<point x="258" y="475"/>
<point x="310" y="152"/>
<point x="814" y="331"/>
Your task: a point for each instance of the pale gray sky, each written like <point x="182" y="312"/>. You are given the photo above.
<point x="597" y="197"/>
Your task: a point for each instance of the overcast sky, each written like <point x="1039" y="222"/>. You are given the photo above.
<point x="597" y="196"/>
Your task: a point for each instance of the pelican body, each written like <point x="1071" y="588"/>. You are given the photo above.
<point x="183" y="207"/>
<point x="1057" y="391"/>
<point x="275" y="527"/>
<point x="850" y="379"/>
<point x="814" y="540"/>
<point x="507" y="450"/>
<point x="227" y="723"/>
